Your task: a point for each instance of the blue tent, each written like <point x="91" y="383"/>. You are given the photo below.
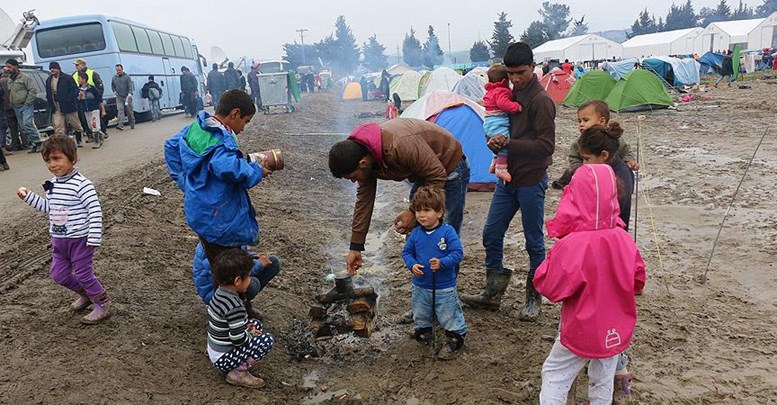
<point x="711" y="63"/>
<point x="467" y="126"/>
<point x="618" y="70"/>
<point x="674" y="71"/>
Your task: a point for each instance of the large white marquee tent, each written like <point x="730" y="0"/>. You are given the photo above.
<point x="764" y="35"/>
<point x="578" y="49"/>
<point x="725" y="34"/>
<point x="678" y="42"/>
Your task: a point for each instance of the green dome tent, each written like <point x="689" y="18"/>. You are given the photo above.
<point x="639" y="90"/>
<point x="594" y="85"/>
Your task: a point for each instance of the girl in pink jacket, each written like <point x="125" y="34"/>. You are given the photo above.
<point x="595" y="270"/>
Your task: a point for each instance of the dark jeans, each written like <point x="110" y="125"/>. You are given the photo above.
<point x="17" y="142"/>
<point x="455" y="194"/>
<point x="260" y="279"/>
<point x="190" y="103"/>
<point x="505" y="203"/>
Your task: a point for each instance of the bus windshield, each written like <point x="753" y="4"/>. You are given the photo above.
<point x="73" y="39"/>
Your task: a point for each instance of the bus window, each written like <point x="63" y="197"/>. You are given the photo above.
<point x="124" y="37"/>
<point x="69" y="40"/>
<point x="144" y="45"/>
<point x="178" y="46"/>
<point x="156" y="42"/>
<point x="187" y="48"/>
<point x="168" y="44"/>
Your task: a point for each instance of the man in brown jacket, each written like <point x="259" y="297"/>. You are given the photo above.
<point x="531" y="145"/>
<point x="399" y="149"/>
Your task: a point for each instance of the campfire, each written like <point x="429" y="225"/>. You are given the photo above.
<point x="344" y="309"/>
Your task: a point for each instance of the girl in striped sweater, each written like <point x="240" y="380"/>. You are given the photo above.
<point x="76" y="226"/>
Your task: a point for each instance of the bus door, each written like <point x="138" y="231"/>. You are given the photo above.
<point x="169" y="94"/>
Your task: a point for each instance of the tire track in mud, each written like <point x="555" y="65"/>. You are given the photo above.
<point x="28" y="247"/>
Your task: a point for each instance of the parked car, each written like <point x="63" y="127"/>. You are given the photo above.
<point x="42" y="110"/>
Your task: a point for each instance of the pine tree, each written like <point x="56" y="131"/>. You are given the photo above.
<point x="555" y="18"/>
<point x="479" y="52"/>
<point x="294" y="54"/>
<point x="501" y="37"/>
<point x="411" y="50"/>
<point x="766" y="9"/>
<point x="743" y="12"/>
<point x="346" y="50"/>
<point x="680" y="17"/>
<point x="374" y="57"/>
<point x="579" y="27"/>
<point x="327" y="50"/>
<point x="535" y="34"/>
<point x="432" y="53"/>
<point x="644" y="24"/>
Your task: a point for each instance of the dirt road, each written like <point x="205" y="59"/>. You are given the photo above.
<point x="695" y="344"/>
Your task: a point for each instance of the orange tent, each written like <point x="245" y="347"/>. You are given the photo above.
<point x="557" y="84"/>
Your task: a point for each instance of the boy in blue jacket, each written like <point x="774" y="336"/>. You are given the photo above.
<point x="434" y="247"/>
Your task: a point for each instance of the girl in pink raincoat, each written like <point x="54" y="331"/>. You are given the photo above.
<point x="595" y="269"/>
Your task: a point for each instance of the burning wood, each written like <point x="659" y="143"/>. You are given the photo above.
<point x="344" y="309"/>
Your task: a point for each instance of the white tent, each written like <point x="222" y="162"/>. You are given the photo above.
<point x="442" y="78"/>
<point x="725" y="34"/>
<point x="398" y="69"/>
<point x="678" y="42"/>
<point x="579" y="49"/>
<point x="471" y="86"/>
<point x="764" y="35"/>
<point x="406" y="85"/>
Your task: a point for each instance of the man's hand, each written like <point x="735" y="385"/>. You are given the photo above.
<point x="497" y="142"/>
<point x="405" y="222"/>
<point x="353" y="261"/>
<point x="632" y="165"/>
<point x="434" y="264"/>
<point x="417" y="270"/>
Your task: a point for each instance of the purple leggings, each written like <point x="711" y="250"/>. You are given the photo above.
<point x="71" y="266"/>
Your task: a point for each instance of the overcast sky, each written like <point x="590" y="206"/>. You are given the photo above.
<point x="258" y="29"/>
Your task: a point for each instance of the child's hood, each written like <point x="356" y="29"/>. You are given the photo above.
<point x="588" y="203"/>
<point x="497" y="85"/>
<point x="204" y="134"/>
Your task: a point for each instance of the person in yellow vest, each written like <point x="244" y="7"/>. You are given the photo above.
<point x="94" y="80"/>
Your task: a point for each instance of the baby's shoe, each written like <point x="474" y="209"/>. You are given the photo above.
<point x="622" y="389"/>
<point x="503" y="173"/>
<point x="492" y="168"/>
<point x="454" y="345"/>
<point x="101" y="311"/>
<point x="242" y="377"/>
<point x="81" y="303"/>
<point x="424" y="336"/>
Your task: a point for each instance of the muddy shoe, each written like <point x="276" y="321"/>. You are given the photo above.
<point x="101" y="311"/>
<point x="454" y="345"/>
<point x="531" y="309"/>
<point x="622" y="389"/>
<point x="491" y="297"/>
<point x="243" y="378"/>
<point x="81" y="303"/>
<point x="424" y="336"/>
<point x="406" y="318"/>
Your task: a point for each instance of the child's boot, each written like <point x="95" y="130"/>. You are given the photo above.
<point x="424" y="336"/>
<point x="622" y="388"/>
<point x="81" y="303"/>
<point x="492" y="168"/>
<point x="241" y="377"/>
<point x="502" y="173"/>
<point x="101" y="311"/>
<point x="454" y="345"/>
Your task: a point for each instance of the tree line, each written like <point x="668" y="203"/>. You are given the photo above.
<point x="683" y="16"/>
<point x="341" y="53"/>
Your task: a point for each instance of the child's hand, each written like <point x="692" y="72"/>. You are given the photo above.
<point x="434" y="264"/>
<point x="264" y="260"/>
<point x="22" y="193"/>
<point x="632" y="165"/>
<point x="417" y="270"/>
<point x="253" y="330"/>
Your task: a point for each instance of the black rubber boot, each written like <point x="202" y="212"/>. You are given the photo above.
<point x="491" y="297"/>
<point x="454" y="344"/>
<point x="531" y="309"/>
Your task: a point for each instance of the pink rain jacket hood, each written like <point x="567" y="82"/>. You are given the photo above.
<point x="595" y="268"/>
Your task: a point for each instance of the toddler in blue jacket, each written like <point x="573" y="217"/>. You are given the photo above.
<point x="432" y="253"/>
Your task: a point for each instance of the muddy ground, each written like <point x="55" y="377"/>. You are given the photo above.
<point x="695" y="343"/>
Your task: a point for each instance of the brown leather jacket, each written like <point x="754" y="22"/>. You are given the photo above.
<point x="413" y="150"/>
<point x="532" y="135"/>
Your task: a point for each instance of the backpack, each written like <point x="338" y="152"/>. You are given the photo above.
<point x="154" y="94"/>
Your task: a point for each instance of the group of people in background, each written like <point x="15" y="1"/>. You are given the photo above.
<point x="233" y="79"/>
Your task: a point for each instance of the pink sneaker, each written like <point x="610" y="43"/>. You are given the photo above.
<point x="622" y="389"/>
<point x="241" y="377"/>
<point x="503" y="173"/>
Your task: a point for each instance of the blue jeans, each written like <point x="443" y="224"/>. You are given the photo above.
<point x="455" y="194"/>
<point x="505" y="203"/>
<point x="25" y="116"/>
<point x="447" y="305"/>
<point x="261" y="278"/>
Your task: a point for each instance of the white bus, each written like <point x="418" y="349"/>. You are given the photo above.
<point x="105" y="41"/>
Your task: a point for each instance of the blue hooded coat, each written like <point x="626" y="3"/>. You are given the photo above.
<point x="206" y="163"/>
